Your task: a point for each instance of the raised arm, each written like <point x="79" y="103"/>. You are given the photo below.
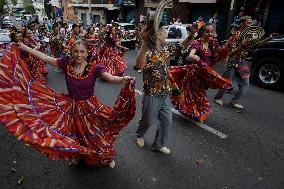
<point x="188" y="41"/>
<point x="141" y="57"/>
<point x="48" y="59"/>
<point x="263" y="42"/>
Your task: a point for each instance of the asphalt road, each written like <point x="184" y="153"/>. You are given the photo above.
<point x="249" y="156"/>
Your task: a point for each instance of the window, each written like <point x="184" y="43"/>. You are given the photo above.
<point x="174" y="33"/>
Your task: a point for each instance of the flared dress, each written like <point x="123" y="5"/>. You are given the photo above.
<point x="193" y="80"/>
<point x="112" y="59"/>
<point x="62" y="127"/>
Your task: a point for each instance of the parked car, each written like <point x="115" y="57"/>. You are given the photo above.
<point x="7" y="24"/>
<point x="176" y="34"/>
<point x="128" y="34"/>
<point x="267" y="64"/>
<point x="4" y="42"/>
<point x="4" y="32"/>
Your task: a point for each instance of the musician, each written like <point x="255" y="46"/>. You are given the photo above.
<point x="236" y="65"/>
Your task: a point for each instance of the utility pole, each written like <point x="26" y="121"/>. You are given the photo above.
<point x="90" y="12"/>
<point x="230" y="17"/>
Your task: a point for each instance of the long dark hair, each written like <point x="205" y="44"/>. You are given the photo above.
<point x="210" y="43"/>
<point x="89" y="28"/>
<point x="108" y="33"/>
<point x="13" y="35"/>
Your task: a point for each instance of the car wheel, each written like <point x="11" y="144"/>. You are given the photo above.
<point x="269" y="73"/>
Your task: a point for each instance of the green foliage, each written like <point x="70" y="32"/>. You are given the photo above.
<point x="14" y="2"/>
<point x="2" y="10"/>
<point x="28" y="5"/>
<point x="47" y="8"/>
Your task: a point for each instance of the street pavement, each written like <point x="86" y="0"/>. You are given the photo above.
<point x="235" y="149"/>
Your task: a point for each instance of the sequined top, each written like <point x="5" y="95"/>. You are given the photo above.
<point x="156" y="76"/>
<point x="110" y="41"/>
<point x="56" y="41"/>
<point x="80" y="87"/>
<point x="205" y="55"/>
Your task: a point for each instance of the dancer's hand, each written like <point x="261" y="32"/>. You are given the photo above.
<point x="126" y="78"/>
<point x="195" y="58"/>
<point x="125" y="49"/>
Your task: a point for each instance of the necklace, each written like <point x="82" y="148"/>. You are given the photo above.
<point x="84" y="75"/>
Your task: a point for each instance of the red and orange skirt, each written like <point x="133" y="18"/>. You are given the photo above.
<point x="193" y="81"/>
<point x="55" y="124"/>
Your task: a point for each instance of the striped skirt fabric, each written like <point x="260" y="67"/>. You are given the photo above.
<point x="55" y="124"/>
<point x="113" y="60"/>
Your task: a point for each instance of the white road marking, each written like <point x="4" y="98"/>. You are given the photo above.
<point x="139" y="92"/>
<point x="201" y="125"/>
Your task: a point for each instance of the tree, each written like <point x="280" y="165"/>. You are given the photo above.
<point x="3" y="11"/>
<point x="14" y="2"/>
<point x="47" y="8"/>
<point x="29" y="7"/>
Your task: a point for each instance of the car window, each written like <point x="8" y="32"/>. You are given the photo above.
<point x="174" y="33"/>
<point x="129" y="27"/>
<point x="4" y="38"/>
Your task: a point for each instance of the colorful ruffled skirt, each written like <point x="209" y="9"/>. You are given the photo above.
<point x="57" y="125"/>
<point x="37" y="69"/>
<point x="93" y="53"/>
<point x="113" y="60"/>
<point x="193" y="81"/>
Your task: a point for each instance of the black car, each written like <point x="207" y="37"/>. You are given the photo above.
<point x="267" y="64"/>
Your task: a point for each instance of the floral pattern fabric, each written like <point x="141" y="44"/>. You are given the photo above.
<point x="156" y="75"/>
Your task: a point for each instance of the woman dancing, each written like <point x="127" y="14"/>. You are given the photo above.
<point x="74" y="127"/>
<point x="195" y="79"/>
<point x="92" y="40"/>
<point x="36" y="67"/>
<point x="113" y="60"/>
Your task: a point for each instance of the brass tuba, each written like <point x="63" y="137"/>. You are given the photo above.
<point x="252" y="34"/>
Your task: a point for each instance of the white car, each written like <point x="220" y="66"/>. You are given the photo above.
<point x="176" y="33"/>
<point x="4" y="32"/>
<point x="4" y="42"/>
<point x="128" y="34"/>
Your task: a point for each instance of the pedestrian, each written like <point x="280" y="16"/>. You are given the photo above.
<point x="178" y="21"/>
<point x="257" y="21"/>
<point x="236" y="19"/>
<point x="156" y="108"/>
<point x="173" y="21"/>
<point x="72" y="127"/>
<point x="214" y="22"/>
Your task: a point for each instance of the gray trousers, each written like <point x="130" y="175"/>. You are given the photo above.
<point x="243" y="84"/>
<point x="156" y="110"/>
